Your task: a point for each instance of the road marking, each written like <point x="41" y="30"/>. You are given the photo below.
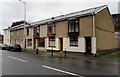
<point x="61" y="71"/>
<point x="22" y="60"/>
<point x="17" y="59"/>
<point x="12" y="57"/>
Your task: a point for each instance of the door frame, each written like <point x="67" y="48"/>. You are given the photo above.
<point x="88" y="46"/>
<point x="35" y="43"/>
<point x="61" y="44"/>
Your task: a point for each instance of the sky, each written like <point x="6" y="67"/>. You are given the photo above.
<point x="36" y="10"/>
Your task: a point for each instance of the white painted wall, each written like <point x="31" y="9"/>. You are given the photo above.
<point x="7" y="36"/>
<point x="93" y="45"/>
<point x="80" y="48"/>
<point x="57" y="42"/>
<point x="30" y="37"/>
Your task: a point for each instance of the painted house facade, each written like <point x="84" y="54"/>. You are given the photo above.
<point x="116" y="18"/>
<point x="17" y="37"/>
<point x="1" y="39"/>
<point x="7" y="36"/>
<point x="84" y="31"/>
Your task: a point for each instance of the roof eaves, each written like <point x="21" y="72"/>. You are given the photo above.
<point x="101" y="8"/>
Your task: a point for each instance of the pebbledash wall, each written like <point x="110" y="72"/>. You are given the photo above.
<point x="96" y="32"/>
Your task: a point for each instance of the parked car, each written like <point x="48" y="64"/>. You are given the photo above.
<point x="3" y="46"/>
<point x="14" y="47"/>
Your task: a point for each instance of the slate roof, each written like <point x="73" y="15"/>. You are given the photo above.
<point x="86" y="12"/>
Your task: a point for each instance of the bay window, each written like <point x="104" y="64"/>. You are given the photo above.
<point x="73" y="27"/>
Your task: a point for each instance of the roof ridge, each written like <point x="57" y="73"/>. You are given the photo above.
<point x="74" y="12"/>
<point x="81" y="13"/>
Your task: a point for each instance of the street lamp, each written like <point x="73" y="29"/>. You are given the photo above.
<point x="24" y="22"/>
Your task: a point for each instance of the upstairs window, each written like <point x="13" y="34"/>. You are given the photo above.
<point x="73" y="25"/>
<point x="11" y="33"/>
<point x="51" y="28"/>
<point x="18" y="33"/>
<point x="36" y="30"/>
<point x="27" y="32"/>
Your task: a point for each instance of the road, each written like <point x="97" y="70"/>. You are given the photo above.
<point x="20" y="63"/>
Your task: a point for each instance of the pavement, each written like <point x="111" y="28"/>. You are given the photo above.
<point x="71" y="56"/>
<point x="43" y="64"/>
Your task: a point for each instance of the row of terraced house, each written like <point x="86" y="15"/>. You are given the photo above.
<point x="86" y="31"/>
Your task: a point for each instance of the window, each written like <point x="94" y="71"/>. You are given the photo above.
<point x="52" y="41"/>
<point x="29" y="42"/>
<point x="73" y="25"/>
<point x="36" y="30"/>
<point x="41" y="42"/>
<point x="18" y="33"/>
<point x="51" y="28"/>
<point x="11" y="33"/>
<point x="73" y="41"/>
<point x="27" y="32"/>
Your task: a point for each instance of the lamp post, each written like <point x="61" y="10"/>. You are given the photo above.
<point x="24" y="22"/>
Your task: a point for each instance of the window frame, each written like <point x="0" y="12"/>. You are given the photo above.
<point x="51" y="28"/>
<point x="11" y="34"/>
<point x="28" y="32"/>
<point x="73" y="39"/>
<point x="36" y="30"/>
<point x="28" y="42"/>
<point x="72" y="24"/>
<point x="40" y="40"/>
<point x="52" y="39"/>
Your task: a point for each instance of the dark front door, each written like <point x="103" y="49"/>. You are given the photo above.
<point x="88" y="45"/>
<point x="34" y="43"/>
<point x="61" y="44"/>
<point x="25" y="43"/>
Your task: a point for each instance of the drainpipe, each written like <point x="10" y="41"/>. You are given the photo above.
<point x="94" y="38"/>
<point x="93" y="25"/>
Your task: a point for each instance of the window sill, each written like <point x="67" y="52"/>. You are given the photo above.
<point x="29" y="46"/>
<point x="52" y="46"/>
<point x="40" y="46"/>
<point x="73" y="45"/>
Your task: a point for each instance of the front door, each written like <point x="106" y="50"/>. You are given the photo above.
<point x="88" y="45"/>
<point x="34" y="43"/>
<point x="61" y="44"/>
<point x="25" y="43"/>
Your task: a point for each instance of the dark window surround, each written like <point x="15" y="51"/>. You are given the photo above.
<point x="51" y="39"/>
<point x="29" y="42"/>
<point x="36" y="30"/>
<point x="74" y="31"/>
<point x="75" y="40"/>
<point x="41" y="42"/>
<point x="51" y="28"/>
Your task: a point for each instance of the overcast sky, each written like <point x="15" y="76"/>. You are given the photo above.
<point x="13" y="10"/>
